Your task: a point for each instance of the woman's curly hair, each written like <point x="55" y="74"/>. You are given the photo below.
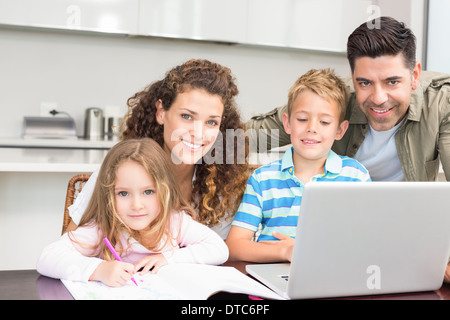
<point x="218" y="187"/>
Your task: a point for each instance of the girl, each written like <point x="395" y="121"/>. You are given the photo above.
<point x="138" y="206"/>
<point x="191" y="113"/>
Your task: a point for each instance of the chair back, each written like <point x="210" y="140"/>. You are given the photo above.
<point x="74" y="187"/>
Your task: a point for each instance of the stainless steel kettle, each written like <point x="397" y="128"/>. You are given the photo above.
<point x="94" y="124"/>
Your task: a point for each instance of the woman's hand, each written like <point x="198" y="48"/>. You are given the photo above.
<point x="153" y="262"/>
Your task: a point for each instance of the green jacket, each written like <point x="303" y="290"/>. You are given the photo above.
<point x="421" y="141"/>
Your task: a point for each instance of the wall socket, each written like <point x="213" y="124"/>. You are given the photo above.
<point x="46" y="107"/>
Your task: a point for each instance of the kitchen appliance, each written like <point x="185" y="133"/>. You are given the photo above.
<point x="113" y="127"/>
<point x="94" y="124"/>
<point x="49" y="128"/>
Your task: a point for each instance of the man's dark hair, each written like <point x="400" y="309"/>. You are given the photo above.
<point x="386" y="36"/>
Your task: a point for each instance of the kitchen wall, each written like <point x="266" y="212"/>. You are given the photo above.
<point x="78" y="70"/>
<point x="81" y="70"/>
<point x="437" y="53"/>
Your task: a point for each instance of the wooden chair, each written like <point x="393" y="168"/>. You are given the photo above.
<point x="74" y="187"/>
<point x="253" y="167"/>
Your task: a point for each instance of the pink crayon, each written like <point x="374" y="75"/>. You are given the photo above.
<point x="113" y="251"/>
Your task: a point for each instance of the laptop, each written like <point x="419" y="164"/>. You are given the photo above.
<point x="365" y="238"/>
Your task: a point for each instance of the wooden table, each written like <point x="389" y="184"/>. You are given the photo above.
<point x="30" y="285"/>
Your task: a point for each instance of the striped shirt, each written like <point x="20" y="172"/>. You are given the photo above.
<point x="273" y="194"/>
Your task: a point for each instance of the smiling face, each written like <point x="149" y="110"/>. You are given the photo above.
<point x="191" y="125"/>
<point x="135" y="196"/>
<point x="383" y="88"/>
<point x="313" y="126"/>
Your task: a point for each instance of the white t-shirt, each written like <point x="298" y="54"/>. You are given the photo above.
<point x="378" y="153"/>
<point x="77" y="209"/>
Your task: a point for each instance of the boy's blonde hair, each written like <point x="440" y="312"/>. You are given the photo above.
<point x="101" y="210"/>
<point x="326" y="84"/>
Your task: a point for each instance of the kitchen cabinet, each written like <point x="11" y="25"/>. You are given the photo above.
<point x="302" y="24"/>
<point x="315" y="25"/>
<point x="437" y="47"/>
<point x="113" y="16"/>
<point x="212" y="20"/>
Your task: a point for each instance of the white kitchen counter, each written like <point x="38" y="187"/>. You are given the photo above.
<point x="50" y="160"/>
<point x="79" y="143"/>
<point x="33" y="185"/>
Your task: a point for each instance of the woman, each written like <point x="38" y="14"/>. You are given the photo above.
<point x="192" y="114"/>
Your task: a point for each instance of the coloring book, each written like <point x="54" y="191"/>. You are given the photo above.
<point x="174" y="282"/>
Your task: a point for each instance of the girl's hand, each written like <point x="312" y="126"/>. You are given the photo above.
<point x="153" y="262"/>
<point x="113" y="273"/>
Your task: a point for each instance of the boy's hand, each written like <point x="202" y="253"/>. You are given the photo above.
<point x="153" y="262"/>
<point x="113" y="273"/>
<point x="286" y="245"/>
<point x="447" y="274"/>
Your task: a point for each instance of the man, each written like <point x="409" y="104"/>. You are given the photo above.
<point x="399" y="125"/>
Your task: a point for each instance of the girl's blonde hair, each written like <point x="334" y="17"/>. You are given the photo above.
<point x="101" y="210"/>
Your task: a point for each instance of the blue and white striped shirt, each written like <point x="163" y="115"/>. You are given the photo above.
<point x="273" y="194"/>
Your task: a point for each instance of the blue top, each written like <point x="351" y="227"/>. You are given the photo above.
<point x="273" y="194"/>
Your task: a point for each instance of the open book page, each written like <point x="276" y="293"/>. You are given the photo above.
<point x="175" y="282"/>
<point x="150" y="288"/>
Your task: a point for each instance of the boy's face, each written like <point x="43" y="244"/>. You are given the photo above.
<point x="313" y="126"/>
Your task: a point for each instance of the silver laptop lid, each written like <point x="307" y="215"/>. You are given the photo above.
<point x="370" y="238"/>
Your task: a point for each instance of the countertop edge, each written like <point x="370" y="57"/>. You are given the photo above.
<point x="79" y="143"/>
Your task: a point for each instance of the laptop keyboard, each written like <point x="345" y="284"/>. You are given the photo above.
<point x="285" y="277"/>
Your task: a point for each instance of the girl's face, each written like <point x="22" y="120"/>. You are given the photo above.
<point x="135" y="196"/>
<point x="191" y="125"/>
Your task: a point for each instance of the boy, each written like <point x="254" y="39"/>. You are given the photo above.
<point x="315" y="119"/>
